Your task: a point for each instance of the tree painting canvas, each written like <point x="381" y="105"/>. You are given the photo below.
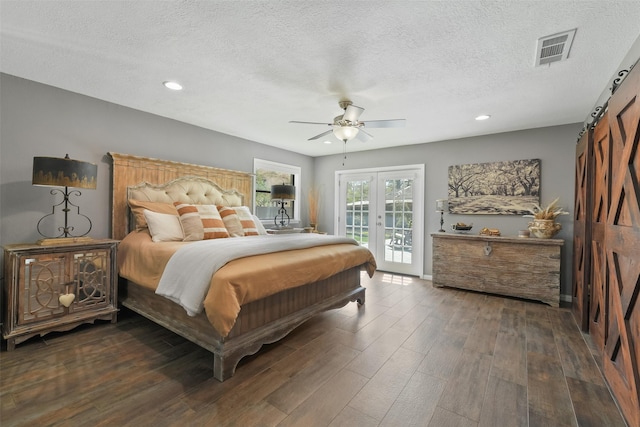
<point x="503" y="188"/>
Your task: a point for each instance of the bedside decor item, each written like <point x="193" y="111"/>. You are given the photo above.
<point x="523" y="233"/>
<point x="544" y="225"/>
<point x="441" y="206"/>
<point x="282" y="193"/>
<point x="57" y="172"/>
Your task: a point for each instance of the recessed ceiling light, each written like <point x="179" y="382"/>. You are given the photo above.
<point x="483" y="117"/>
<point x="172" y="85"/>
<point x="327" y="142"/>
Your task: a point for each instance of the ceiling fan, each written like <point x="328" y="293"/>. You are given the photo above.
<point x="347" y="126"/>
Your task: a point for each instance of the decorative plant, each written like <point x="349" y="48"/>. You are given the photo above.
<point x="551" y="211"/>
<point x="314" y="200"/>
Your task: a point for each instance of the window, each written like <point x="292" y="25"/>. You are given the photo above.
<point x="271" y="173"/>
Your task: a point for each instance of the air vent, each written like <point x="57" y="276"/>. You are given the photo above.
<point x="554" y="48"/>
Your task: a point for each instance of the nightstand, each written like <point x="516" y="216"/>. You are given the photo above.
<point x="284" y="230"/>
<point x="57" y="287"/>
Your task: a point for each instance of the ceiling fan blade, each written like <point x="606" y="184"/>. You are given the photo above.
<point x="363" y="136"/>
<point x="352" y="113"/>
<point x="310" y="123"/>
<point x="320" y="136"/>
<point x="393" y="123"/>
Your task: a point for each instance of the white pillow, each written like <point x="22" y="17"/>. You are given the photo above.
<point x="163" y="227"/>
<point x="261" y="230"/>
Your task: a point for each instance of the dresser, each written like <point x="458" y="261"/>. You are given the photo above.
<point x="513" y="266"/>
<point x="57" y="287"/>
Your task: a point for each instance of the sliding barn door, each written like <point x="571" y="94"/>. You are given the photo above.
<point x="600" y="209"/>
<point x="582" y="232"/>
<point x="622" y="235"/>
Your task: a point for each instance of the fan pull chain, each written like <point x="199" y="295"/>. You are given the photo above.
<point x="344" y="152"/>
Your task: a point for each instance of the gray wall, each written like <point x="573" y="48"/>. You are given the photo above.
<point x="40" y="120"/>
<point x="554" y="146"/>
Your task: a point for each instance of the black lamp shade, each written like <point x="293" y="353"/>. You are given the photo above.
<point x="283" y="192"/>
<point x="57" y="172"/>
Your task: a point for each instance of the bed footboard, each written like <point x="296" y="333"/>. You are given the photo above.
<point x="260" y="322"/>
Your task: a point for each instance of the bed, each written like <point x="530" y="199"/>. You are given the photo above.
<point x="261" y="317"/>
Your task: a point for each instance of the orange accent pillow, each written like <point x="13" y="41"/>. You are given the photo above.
<point x="201" y="222"/>
<point x="138" y="206"/>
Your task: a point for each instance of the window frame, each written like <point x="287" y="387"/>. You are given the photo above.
<point x="296" y="171"/>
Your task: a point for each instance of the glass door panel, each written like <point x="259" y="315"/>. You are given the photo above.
<point x="357" y="211"/>
<point x="397" y="203"/>
<point x="383" y="212"/>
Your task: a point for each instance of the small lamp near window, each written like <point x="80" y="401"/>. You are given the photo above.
<point x="282" y="193"/>
<point x="57" y="172"/>
<point x="441" y="206"/>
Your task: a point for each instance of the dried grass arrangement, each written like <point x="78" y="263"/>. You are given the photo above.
<point x="313" y="198"/>
<point x="551" y="211"/>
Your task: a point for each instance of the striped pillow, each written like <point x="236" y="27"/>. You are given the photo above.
<point x="231" y="221"/>
<point x="200" y="222"/>
<point x="246" y="219"/>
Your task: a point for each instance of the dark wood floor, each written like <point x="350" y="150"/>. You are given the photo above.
<point x="413" y="355"/>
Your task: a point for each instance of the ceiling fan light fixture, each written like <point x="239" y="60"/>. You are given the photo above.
<point x="345" y="133"/>
<point x="347" y="126"/>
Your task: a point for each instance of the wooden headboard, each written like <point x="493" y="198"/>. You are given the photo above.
<point x="131" y="171"/>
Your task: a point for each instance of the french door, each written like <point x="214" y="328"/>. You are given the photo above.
<point x="383" y="210"/>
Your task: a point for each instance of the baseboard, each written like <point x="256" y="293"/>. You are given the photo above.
<point x="427" y="277"/>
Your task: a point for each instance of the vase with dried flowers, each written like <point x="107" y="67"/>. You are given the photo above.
<point x="313" y="198"/>
<point x="544" y="225"/>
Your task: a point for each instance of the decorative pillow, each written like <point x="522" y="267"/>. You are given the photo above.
<point x="200" y="222"/>
<point x="138" y="206"/>
<point x="259" y="226"/>
<point x="163" y="227"/>
<point x="246" y="219"/>
<point x="231" y="221"/>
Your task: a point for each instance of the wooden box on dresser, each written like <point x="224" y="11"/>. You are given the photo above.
<point x="514" y="266"/>
<point x="39" y="281"/>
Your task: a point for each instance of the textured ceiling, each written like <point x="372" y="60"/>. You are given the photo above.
<point x="248" y="67"/>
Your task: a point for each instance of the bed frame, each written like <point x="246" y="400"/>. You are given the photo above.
<point x="260" y="322"/>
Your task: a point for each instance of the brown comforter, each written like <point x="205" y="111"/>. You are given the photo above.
<point x="243" y="280"/>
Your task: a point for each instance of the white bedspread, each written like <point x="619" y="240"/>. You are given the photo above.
<point x="188" y="273"/>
